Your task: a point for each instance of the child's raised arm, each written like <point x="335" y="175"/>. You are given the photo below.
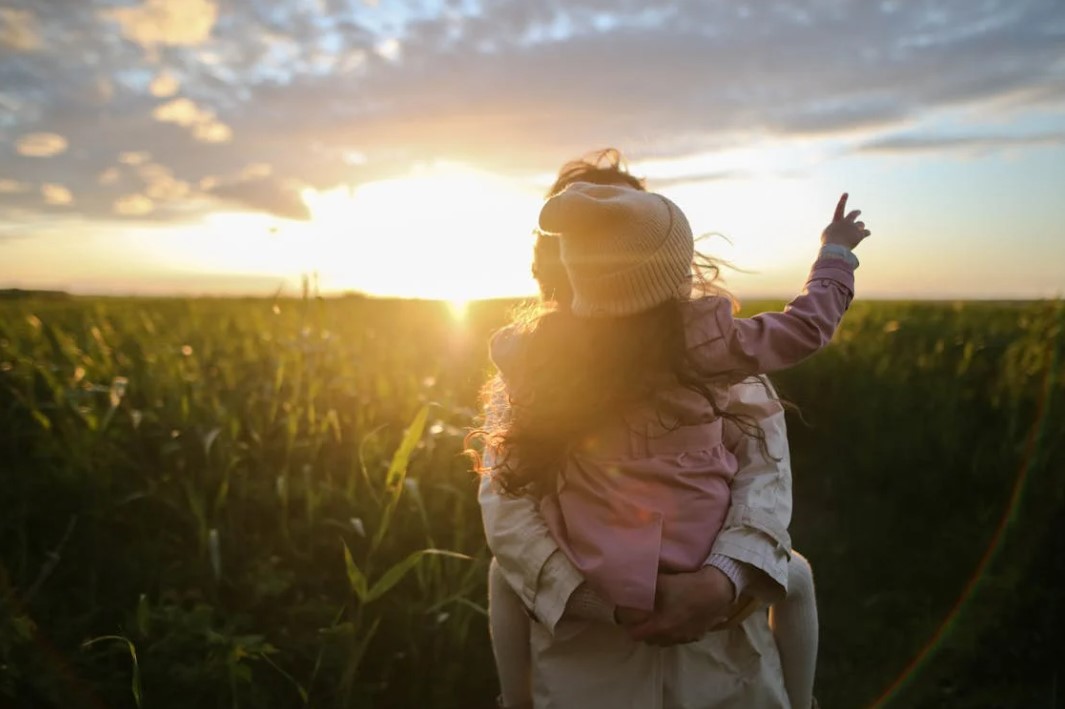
<point x="739" y="347"/>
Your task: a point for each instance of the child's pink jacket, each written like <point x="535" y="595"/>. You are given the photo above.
<point x="636" y="498"/>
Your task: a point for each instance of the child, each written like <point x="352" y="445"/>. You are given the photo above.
<point x="616" y="405"/>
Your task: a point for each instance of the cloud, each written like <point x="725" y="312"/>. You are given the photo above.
<point x="160" y="185"/>
<point x="702" y="78"/>
<point x="256" y="170"/>
<point x="18" y="30"/>
<point x="133" y="205"/>
<point x="202" y="122"/>
<point x="916" y="143"/>
<point x="57" y="195"/>
<point x="166" y="22"/>
<point x="13" y="187"/>
<point x="41" y="145"/>
<point x="134" y="157"/>
<point x="390" y="49"/>
<point x="164" y="85"/>
<point x="337" y="91"/>
<point x="266" y="194"/>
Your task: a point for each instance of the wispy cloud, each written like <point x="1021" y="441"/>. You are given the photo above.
<point x="164" y="85"/>
<point x="56" y="195"/>
<point x="201" y="122"/>
<point x="40" y="145"/>
<point x="267" y="194"/>
<point x="917" y="143"/>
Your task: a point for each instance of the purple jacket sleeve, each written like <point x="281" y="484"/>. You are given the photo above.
<point x="740" y="347"/>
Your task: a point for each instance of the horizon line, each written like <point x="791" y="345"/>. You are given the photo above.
<point x="15" y="293"/>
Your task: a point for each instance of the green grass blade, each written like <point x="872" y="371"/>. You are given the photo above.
<point x="395" y="574"/>
<point x="136" y="682"/>
<point x="355" y="576"/>
<point x="397" y="472"/>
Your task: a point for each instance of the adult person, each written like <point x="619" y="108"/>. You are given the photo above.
<point x="579" y="656"/>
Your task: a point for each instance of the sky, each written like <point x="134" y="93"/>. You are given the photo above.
<point x="403" y="148"/>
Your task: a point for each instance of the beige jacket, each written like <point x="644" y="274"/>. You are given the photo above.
<point x="579" y="664"/>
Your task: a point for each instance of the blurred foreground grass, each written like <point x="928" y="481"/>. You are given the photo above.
<point x="263" y="503"/>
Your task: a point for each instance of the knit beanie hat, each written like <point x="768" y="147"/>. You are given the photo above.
<point x="625" y="250"/>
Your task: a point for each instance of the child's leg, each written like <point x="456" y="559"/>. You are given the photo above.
<point x="794" y="623"/>
<point x="509" y="626"/>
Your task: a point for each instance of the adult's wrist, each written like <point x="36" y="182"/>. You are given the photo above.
<point x="586" y="604"/>
<point x="736" y="571"/>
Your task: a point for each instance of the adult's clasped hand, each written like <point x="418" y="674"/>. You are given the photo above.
<point x="687" y="606"/>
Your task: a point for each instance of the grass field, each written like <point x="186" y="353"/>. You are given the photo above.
<point x="228" y="503"/>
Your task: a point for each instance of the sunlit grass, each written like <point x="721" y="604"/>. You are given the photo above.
<point x="266" y="503"/>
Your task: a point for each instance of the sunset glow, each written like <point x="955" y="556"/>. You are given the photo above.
<point x="443" y="231"/>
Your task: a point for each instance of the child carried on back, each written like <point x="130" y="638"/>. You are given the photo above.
<point x="616" y="404"/>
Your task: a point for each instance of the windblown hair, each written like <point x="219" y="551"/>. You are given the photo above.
<point x="572" y="375"/>
<point x="600" y="167"/>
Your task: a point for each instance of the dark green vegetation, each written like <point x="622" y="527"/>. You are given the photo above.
<point x="225" y="503"/>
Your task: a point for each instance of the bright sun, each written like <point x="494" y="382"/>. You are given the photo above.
<point x="444" y="231"/>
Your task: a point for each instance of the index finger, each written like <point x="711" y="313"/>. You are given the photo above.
<point x="841" y="207"/>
